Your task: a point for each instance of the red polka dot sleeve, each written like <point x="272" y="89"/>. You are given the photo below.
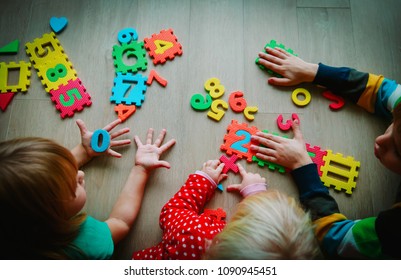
<point x="185" y="226"/>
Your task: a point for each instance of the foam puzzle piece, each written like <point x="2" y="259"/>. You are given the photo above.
<point x="220" y="187"/>
<point x="58" y="24"/>
<point x="273" y="44"/>
<point x="214" y="88"/>
<point x="100" y="136"/>
<point x="153" y="75"/>
<point x="44" y="49"/>
<point x="163" y="46"/>
<point x="288" y="124"/>
<point x="132" y="50"/>
<point x="317" y="155"/>
<point x="127" y="35"/>
<point x="124" y="111"/>
<point x="305" y="93"/>
<point x="340" y="172"/>
<point x="129" y="89"/>
<point x="215" y="112"/>
<point x="272" y="166"/>
<point x="24" y="69"/>
<point x="238" y="140"/>
<point x="5" y="100"/>
<point x="338" y="103"/>
<point x="52" y="64"/>
<point x="229" y="163"/>
<point x="237" y="102"/>
<point x="249" y="112"/>
<point x="10" y="48"/>
<point x="219" y="213"/>
<point x="70" y="98"/>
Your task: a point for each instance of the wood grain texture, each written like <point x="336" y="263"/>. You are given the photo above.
<point x="220" y="39"/>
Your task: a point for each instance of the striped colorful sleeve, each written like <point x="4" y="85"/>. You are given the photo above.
<point x="374" y="93"/>
<point x="337" y="235"/>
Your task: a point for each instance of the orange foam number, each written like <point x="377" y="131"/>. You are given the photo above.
<point x="163" y="46"/>
<point x="124" y="111"/>
<point x="237" y="102"/>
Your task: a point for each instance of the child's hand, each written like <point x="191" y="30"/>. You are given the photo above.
<point x="293" y="69"/>
<point x="148" y="154"/>
<point x="213" y="168"/>
<point x="86" y="137"/>
<point x="247" y="179"/>
<point x="290" y="153"/>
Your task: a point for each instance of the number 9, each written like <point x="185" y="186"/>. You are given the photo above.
<point x="127" y="35"/>
<point x="199" y="103"/>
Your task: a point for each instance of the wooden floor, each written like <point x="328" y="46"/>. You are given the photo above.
<point x="219" y="39"/>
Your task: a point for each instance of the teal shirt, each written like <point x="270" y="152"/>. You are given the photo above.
<point x="94" y="240"/>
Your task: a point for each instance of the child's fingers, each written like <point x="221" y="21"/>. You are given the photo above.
<point x="220" y="167"/>
<point x="112" y="125"/>
<point x="279" y="81"/>
<point x="137" y="141"/>
<point x="167" y="145"/>
<point x="242" y="170"/>
<point x="113" y="153"/>
<point x="120" y="143"/>
<point x="82" y="127"/>
<point x="119" y="133"/>
<point x="160" y="138"/>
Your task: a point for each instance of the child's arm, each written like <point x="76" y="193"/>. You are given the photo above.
<point x="128" y="204"/>
<point x="195" y="193"/>
<point x="83" y="152"/>
<point x="374" y="93"/>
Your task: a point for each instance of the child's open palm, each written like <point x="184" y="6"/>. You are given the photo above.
<point x="148" y="154"/>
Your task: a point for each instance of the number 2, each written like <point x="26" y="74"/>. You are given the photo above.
<point x="239" y="145"/>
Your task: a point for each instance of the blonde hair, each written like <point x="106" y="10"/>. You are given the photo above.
<point x="266" y="225"/>
<point x="37" y="177"/>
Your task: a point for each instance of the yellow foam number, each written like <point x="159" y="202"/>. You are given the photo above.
<point x="339" y="171"/>
<point x="305" y="93"/>
<point x="249" y="111"/>
<point x="162" y="46"/>
<point x="215" y="112"/>
<point x="214" y="88"/>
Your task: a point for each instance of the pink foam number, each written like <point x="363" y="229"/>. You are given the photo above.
<point x="70" y="98"/>
<point x="229" y="163"/>
<point x="288" y="124"/>
<point x="339" y="101"/>
<point x="153" y="75"/>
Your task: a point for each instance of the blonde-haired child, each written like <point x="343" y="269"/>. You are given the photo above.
<point x="42" y="193"/>
<point x="267" y="224"/>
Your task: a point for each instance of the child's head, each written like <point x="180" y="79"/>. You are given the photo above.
<point x="388" y="145"/>
<point x="40" y="195"/>
<point x="266" y="225"/>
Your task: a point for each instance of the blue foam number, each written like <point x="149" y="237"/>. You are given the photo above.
<point x="102" y="135"/>
<point x="239" y="145"/>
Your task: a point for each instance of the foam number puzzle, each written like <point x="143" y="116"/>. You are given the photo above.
<point x="57" y="74"/>
<point x="153" y="75"/>
<point x="133" y="50"/>
<point x="340" y="172"/>
<point x="238" y="140"/>
<point x="163" y="46"/>
<point x="24" y="69"/>
<point x="124" y="111"/>
<point x="10" y="48"/>
<point x="129" y="89"/>
<point x="333" y="169"/>
<point x="70" y="98"/>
